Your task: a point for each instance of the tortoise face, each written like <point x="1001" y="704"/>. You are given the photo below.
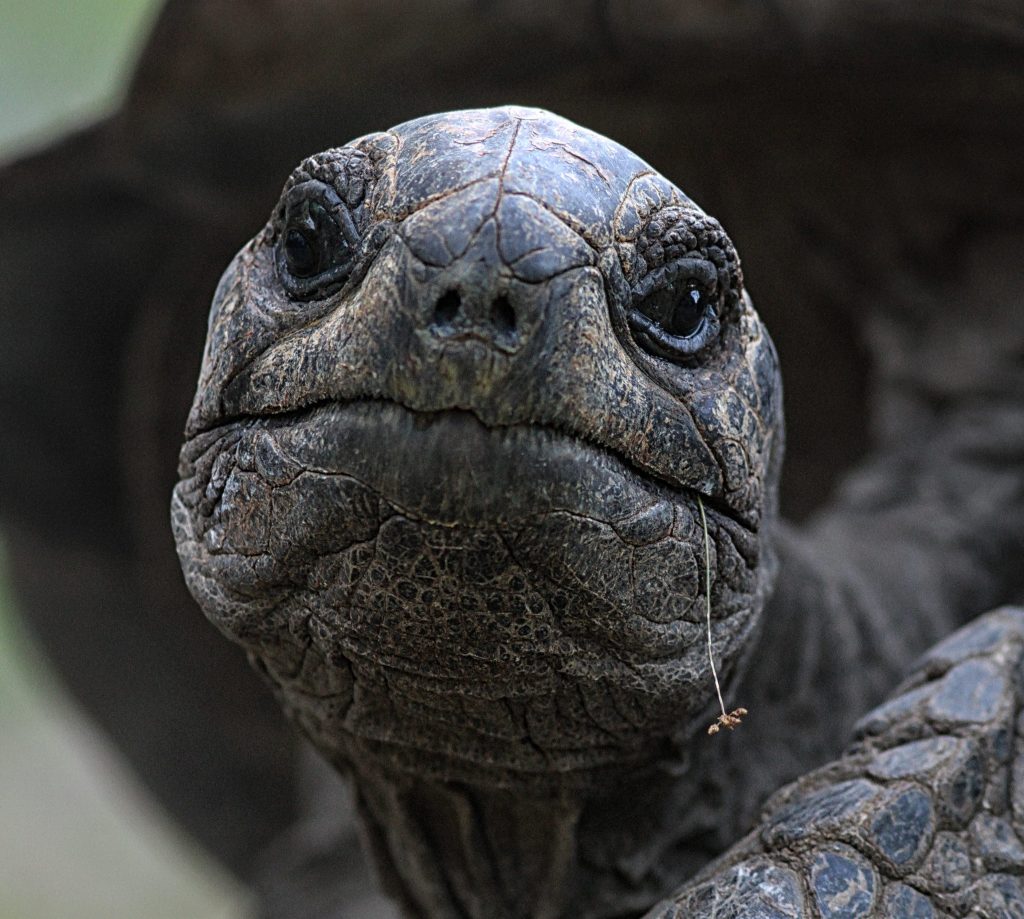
<point x="457" y="402"/>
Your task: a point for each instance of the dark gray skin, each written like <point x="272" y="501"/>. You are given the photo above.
<point x="458" y="401"/>
<point x="440" y="480"/>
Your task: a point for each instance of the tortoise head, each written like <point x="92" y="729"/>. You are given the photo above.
<point x="458" y="401"/>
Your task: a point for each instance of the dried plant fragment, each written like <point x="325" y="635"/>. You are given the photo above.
<point x="726" y="719"/>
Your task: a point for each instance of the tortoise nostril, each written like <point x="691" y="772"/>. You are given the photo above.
<point x="503" y="316"/>
<point x="447" y="307"/>
<point x="454" y="317"/>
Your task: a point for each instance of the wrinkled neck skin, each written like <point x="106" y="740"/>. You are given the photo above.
<point x="453" y="849"/>
<point x="618" y="843"/>
<point x="623" y="839"/>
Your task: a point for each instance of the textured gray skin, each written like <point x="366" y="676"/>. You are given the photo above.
<point x="462" y="541"/>
<point x="920" y="819"/>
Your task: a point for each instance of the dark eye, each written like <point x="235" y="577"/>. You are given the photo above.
<point x="300" y="253"/>
<point x="689" y="311"/>
<point x="675" y="315"/>
<point x="317" y="242"/>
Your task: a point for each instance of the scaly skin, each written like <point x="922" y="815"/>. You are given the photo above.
<point x="920" y="819"/>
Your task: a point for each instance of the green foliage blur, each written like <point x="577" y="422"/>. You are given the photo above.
<point x="62" y="64"/>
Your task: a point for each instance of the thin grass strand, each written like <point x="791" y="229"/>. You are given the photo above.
<point x="726" y="719"/>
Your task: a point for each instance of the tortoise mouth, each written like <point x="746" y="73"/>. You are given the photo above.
<point x="448" y="468"/>
<point x="276" y="500"/>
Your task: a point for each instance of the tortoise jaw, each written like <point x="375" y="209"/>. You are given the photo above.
<point x="448" y="466"/>
<point x="439" y="565"/>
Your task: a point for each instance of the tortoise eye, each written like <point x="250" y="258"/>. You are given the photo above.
<point x="315" y="251"/>
<point x="300" y="254"/>
<point x="675" y="315"/>
<point x="689" y="312"/>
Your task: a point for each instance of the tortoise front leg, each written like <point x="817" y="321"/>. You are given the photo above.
<point x="919" y="819"/>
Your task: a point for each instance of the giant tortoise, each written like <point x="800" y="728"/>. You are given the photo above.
<point x="866" y="160"/>
<point x="486" y="426"/>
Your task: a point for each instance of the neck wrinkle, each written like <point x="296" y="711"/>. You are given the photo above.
<point x="451" y="850"/>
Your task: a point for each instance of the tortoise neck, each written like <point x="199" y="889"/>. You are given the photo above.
<point x="451" y="850"/>
<point x="455" y="851"/>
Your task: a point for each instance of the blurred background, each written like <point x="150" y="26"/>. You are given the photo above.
<point x="79" y="836"/>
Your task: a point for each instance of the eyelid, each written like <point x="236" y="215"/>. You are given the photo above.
<point x="347" y="225"/>
<point x="668" y="346"/>
<point x="313" y="192"/>
<point x="680" y="268"/>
